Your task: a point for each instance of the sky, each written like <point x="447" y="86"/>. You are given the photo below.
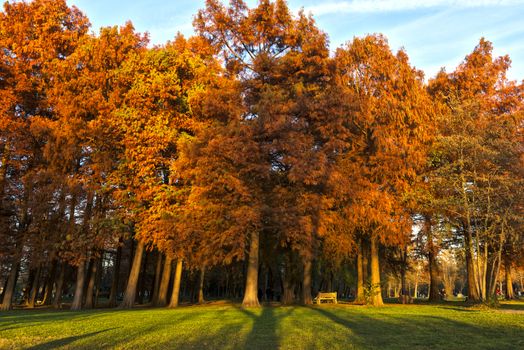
<point x="434" y="33"/>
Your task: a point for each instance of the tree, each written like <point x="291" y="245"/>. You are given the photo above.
<point x="35" y="37"/>
<point x="280" y="61"/>
<point x="389" y="130"/>
<point x="475" y="161"/>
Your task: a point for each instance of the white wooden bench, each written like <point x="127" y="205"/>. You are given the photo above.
<point x="331" y="297"/>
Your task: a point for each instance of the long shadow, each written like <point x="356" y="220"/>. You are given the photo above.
<point x="65" y="341"/>
<point x="513" y="306"/>
<point x="32" y="316"/>
<point x="416" y="331"/>
<point x="263" y="334"/>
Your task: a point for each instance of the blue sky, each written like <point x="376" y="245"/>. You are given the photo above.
<point x="435" y="33"/>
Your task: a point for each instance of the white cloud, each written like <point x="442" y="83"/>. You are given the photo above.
<point x="370" y="6"/>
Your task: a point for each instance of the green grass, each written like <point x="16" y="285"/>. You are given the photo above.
<point x="440" y="326"/>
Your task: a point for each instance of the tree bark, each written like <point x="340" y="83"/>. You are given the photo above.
<point x="360" y="272"/>
<point x="116" y="277"/>
<point x="130" y="293"/>
<point x="251" y="290"/>
<point x="142" y="280"/>
<point x="164" y="283"/>
<point x="3" y="169"/>
<point x="473" y="293"/>
<point x="509" y="281"/>
<point x="176" y="284"/>
<point x="7" y="302"/>
<point x="403" y="266"/>
<point x="434" y="294"/>
<point x="288" y="295"/>
<point x="34" y="288"/>
<point x="89" y="304"/>
<point x="3" y="290"/>
<point x="59" y="286"/>
<point x="158" y="277"/>
<point x="201" y="286"/>
<point x="79" y="289"/>
<point x="306" y="283"/>
<point x="375" y="274"/>
<point x="50" y="282"/>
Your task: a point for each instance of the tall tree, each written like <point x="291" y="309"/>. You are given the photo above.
<point x="476" y="165"/>
<point x="280" y="62"/>
<point x="389" y="130"/>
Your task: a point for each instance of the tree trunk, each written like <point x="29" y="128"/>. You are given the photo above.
<point x="34" y="288"/>
<point x="79" y="289"/>
<point x="116" y="277"/>
<point x="7" y="302"/>
<point x="365" y="262"/>
<point x="473" y="293"/>
<point x="306" y="283"/>
<point x="98" y="279"/>
<point x="142" y="280"/>
<point x="164" y="284"/>
<point x="403" y="265"/>
<point x="3" y="290"/>
<point x="130" y="293"/>
<point x="50" y="282"/>
<point x="57" y="302"/>
<point x="201" y="285"/>
<point x="90" y="303"/>
<point x="509" y="281"/>
<point x="360" y="272"/>
<point x="176" y="284"/>
<point x="288" y="295"/>
<point x="251" y="290"/>
<point x="375" y="274"/>
<point x="434" y="294"/>
<point x="158" y="277"/>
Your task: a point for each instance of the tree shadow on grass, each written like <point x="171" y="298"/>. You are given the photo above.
<point x="514" y="306"/>
<point x="53" y="344"/>
<point x="263" y="334"/>
<point x="42" y="316"/>
<point x="422" y="331"/>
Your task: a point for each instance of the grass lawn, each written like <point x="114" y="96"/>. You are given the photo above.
<point x="441" y="326"/>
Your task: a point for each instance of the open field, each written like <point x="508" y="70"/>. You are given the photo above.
<point x="446" y="326"/>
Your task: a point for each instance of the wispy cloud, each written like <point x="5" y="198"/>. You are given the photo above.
<point x="371" y="6"/>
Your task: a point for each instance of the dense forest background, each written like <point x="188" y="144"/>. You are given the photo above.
<point x="250" y="162"/>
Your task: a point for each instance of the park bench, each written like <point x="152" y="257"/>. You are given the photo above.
<point x="326" y="296"/>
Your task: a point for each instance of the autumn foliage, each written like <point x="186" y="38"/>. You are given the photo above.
<point x="249" y="156"/>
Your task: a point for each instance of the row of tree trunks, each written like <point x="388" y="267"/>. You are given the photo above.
<point x="86" y="281"/>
